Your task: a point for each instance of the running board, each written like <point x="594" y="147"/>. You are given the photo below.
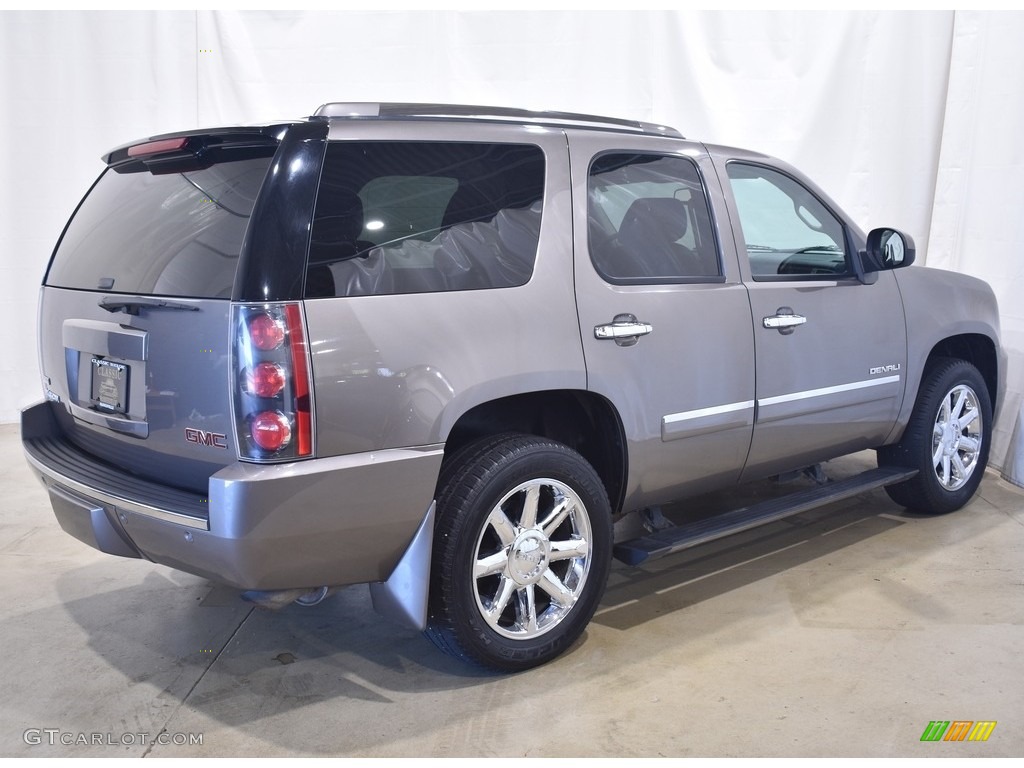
<point x="672" y="540"/>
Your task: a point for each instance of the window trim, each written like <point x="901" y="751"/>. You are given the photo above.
<point x="677" y="280"/>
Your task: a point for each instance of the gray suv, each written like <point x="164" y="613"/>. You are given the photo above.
<point x="441" y="350"/>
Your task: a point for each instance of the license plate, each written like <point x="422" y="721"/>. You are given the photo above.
<point x="109" y="386"/>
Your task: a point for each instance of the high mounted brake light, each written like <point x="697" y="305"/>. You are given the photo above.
<point x="157" y="147"/>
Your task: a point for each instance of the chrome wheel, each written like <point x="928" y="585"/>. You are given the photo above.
<point x="944" y="440"/>
<point x="957" y="437"/>
<point x="522" y="548"/>
<point x="532" y="559"/>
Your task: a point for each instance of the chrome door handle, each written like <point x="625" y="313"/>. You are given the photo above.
<point x="622" y="330"/>
<point x="785" y="320"/>
<point x="625" y="330"/>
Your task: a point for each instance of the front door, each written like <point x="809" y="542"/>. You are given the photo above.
<point x="830" y="350"/>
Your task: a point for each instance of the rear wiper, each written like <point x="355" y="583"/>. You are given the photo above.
<point x="134" y="306"/>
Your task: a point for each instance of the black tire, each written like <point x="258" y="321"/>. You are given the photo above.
<point x="947" y="483"/>
<point x="495" y="479"/>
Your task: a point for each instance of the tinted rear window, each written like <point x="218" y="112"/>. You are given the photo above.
<point x="175" y="234"/>
<point x="412" y="217"/>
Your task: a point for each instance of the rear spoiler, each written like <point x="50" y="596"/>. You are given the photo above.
<point x="192" y="150"/>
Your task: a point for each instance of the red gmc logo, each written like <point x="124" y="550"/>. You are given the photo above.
<point x="201" y="437"/>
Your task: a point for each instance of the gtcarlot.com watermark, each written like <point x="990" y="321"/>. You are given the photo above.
<point x="56" y="737"/>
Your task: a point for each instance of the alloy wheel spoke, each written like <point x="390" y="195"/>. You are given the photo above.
<point x="505" y="590"/>
<point x="502" y="526"/>
<point x="556" y="517"/>
<point x="530" y="503"/>
<point x="967" y="419"/>
<point x="560" y="593"/>
<point x="937" y="454"/>
<point x="959" y="470"/>
<point x="970" y="444"/>
<point x="958" y="408"/>
<point x="945" y="470"/>
<point x="566" y="550"/>
<point x="490" y="565"/>
<point x="527" y="608"/>
<point x="944" y="410"/>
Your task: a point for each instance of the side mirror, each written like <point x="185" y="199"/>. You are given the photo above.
<point x="888" y="249"/>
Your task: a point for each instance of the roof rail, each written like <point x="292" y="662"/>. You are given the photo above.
<point x="394" y="110"/>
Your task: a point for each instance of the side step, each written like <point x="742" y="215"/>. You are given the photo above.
<point x="672" y="540"/>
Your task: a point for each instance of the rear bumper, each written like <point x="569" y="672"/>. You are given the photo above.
<point x="331" y="521"/>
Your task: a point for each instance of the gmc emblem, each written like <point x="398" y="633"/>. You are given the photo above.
<point x="201" y="437"/>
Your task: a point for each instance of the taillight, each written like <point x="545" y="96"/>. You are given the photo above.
<point x="266" y="331"/>
<point x="270" y="430"/>
<point x="271" y="382"/>
<point x="266" y="380"/>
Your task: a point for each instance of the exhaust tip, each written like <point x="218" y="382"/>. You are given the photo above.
<point x="313" y="597"/>
<point x="277" y="599"/>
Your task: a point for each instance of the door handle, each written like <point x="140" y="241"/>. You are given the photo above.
<point x="624" y="329"/>
<point x="785" y="320"/>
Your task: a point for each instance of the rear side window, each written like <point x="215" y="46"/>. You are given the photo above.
<point x="648" y="220"/>
<point x="173" y="234"/>
<point x="412" y="217"/>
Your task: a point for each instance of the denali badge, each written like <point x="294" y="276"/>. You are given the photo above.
<point x="200" y="437"/>
<point x="884" y="369"/>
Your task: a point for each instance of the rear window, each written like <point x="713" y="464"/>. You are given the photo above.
<point x="412" y="217"/>
<point x="174" y="234"/>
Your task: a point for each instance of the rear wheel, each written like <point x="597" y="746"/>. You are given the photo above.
<point x="946" y="440"/>
<point x="522" y="548"/>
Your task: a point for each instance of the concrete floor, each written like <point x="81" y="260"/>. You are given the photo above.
<point x="841" y="632"/>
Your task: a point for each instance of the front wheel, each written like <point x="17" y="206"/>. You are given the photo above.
<point x="946" y="440"/>
<point x="522" y="549"/>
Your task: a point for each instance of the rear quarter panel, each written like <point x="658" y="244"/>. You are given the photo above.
<point x="399" y="370"/>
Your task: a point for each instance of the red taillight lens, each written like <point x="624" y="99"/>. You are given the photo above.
<point x="266" y="380"/>
<point x="300" y="370"/>
<point x="272" y="382"/>
<point x="270" y="430"/>
<point x="266" y="332"/>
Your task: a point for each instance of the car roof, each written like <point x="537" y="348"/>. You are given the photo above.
<point x="365" y="110"/>
<point x="404" y="111"/>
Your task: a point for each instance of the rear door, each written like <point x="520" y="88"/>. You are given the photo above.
<point x="665" y="320"/>
<point x="134" y="311"/>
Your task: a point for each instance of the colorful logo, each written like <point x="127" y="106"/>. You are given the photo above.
<point x="958" y="730"/>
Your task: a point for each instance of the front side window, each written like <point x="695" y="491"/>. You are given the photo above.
<point x="648" y="220"/>
<point x="788" y="232"/>
<point x="413" y="217"/>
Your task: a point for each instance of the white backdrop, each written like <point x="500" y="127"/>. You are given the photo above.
<point x="908" y="119"/>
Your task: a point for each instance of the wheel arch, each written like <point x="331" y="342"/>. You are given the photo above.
<point x="978" y="350"/>
<point x="586" y="422"/>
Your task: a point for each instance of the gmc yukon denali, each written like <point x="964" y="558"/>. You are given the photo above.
<point x="441" y="350"/>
